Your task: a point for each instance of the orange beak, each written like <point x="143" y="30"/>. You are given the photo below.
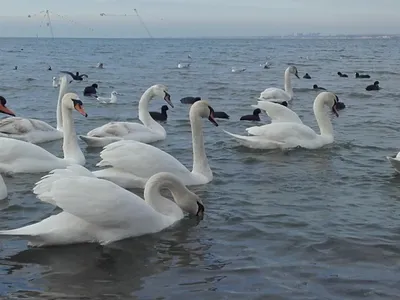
<point x="81" y="110"/>
<point x="7" y="111"/>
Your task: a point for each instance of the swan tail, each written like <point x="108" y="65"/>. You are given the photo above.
<point x="256" y="142"/>
<point x="26" y="233"/>
<point x="93" y="141"/>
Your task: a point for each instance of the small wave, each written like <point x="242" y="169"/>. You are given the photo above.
<point x="301" y="64"/>
<point x="386" y="73"/>
<point x="30" y="79"/>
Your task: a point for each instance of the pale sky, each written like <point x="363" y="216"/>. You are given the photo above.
<point x="194" y="18"/>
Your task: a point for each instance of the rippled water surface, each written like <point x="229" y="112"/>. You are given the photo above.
<point x="301" y="224"/>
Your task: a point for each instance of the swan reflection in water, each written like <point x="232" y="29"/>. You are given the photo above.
<point x="121" y="268"/>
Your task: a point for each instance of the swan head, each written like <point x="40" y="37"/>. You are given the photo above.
<point x="114" y="93"/>
<point x="293" y="70"/>
<point x="54" y="78"/>
<point x="72" y="101"/>
<point x="331" y="100"/>
<point x="161" y="91"/>
<point x="202" y="109"/>
<point x="3" y="107"/>
<point x="256" y="112"/>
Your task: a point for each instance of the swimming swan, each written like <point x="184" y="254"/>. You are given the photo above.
<point x="277" y="113"/>
<point x="148" y="132"/>
<point x="22" y="157"/>
<point x="284" y="135"/>
<point x="33" y="130"/>
<point x="4" y="110"/>
<point x="279" y="95"/>
<point x="130" y="163"/>
<point x="99" y="211"/>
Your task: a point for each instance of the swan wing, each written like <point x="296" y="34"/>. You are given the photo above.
<point x="43" y="187"/>
<point x="18" y="125"/>
<point x="278" y="112"/>
<point x="255" y="142"/>
<point x="97" y="201"/>
<point x="117" y="129"/>
<point x="275" y="94"/>
<point x="19" y="156"/>
<point x="140" y="159"/>
<point x="289" y="134"/>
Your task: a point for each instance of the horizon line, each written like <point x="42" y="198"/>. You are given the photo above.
<point x="291" y="36"/>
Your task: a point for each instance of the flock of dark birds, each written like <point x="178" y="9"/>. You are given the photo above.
<point x="91" y="91"/>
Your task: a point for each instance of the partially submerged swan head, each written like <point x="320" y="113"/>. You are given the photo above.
<point x="293" y="70"/>
<point x="161" y="91"/>
<point x="3" y="108"/>
<point x="331" y="100"/>
<point x="71" y="101"/>
<point x="202" y="109"/>
<point x="187" y="201"/>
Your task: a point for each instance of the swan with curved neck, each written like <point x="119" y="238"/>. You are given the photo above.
<point x="148" y="132"/>
<point x="5" y="110"/>
<point x="22" y="157"/>
<point x="289" y="134"/>
<point x="33" y="130"/>
<point x="130" y="163"/>
<point x="279" y="95"/>
<point x="111" y="213"/>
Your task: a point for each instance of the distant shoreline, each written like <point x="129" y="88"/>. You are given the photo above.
<point x="291" y="37"/>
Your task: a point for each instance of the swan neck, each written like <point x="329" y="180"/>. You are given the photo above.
<point x="3" y="189"/>
<point x="62" y="92"/>
<point x="288" y="83"/>
<point x="144" y="115"/>
<point x="71" y="149"/>
<point x="200" y="161"/>
<point x="164" y="206"/>
<point x="324" y="123"/>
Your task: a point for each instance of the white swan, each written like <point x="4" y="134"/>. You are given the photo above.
<point x="3" y="189"/>
<point x="286" y="135"/>
<point x="277" y="113"/>
<point x="33" y="130"/>
<point x="56" y="82"/>
<point x="22" y="157"/>
<point x="395" y="161"/>
<point x="99" y="211"/>
<point x="279" y="95"/>
<point x="148" y="132"/>
<point x="133" y="163"/>
<point x="112" y="99"/>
